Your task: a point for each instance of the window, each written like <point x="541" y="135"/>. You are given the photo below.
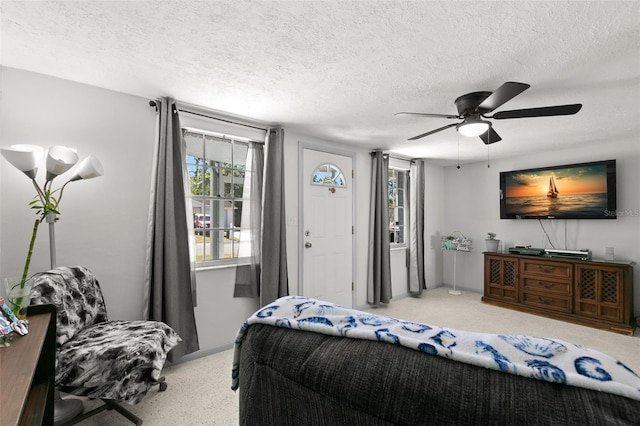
<point x="216" y="166"/>
<point x="397" y="214"/>
<point x="328" y="174"/>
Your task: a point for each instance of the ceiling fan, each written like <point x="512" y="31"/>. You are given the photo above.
<point x="474" y="107"/>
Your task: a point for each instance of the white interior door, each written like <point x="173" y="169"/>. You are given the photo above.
<point x="327" y="267"/>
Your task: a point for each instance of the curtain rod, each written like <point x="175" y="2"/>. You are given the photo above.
<point x="153" y="104"/>
<point x="400" y="158"/>
<point x="395" y="158"/>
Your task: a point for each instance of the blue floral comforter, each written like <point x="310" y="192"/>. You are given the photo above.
<point x="535" y="357"/>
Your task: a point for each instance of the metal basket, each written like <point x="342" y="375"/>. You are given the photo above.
<point x="455" y="241"/>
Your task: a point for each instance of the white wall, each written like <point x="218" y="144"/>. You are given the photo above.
<point x="434" y="212"/>
<point x="103" y="220"/>
<point x="399" y="272"/>
<point x="218" y="314"/>
<point x="472" y="204"/>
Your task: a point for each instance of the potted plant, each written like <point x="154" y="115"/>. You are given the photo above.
<point x="491" y="242"/>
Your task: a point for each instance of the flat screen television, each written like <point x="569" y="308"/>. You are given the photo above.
<point x="572" y="191"/>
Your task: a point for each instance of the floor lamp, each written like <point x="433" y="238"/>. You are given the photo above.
<point x="59" y="159"/>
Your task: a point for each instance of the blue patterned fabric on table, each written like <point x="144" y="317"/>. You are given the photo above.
<point x="535" y="357"/>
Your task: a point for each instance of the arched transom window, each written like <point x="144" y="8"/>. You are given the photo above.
<point x="329" y="175"/>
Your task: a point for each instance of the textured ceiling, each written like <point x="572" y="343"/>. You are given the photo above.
<point x="339" y="70"/>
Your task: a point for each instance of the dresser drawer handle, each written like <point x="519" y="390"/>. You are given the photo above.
<point x="543" y="300"/>
<point x="546" y="285"/>
<point x="547" y="269"/>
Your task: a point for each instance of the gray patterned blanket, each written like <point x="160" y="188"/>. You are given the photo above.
<point x="534" y="357"/>
<point x="95" y="357"/>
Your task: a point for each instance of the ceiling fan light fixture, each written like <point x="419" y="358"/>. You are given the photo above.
<point x="473" y="127"/>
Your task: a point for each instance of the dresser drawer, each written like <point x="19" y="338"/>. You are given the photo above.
<point x="595" y="293"/>
<point x="541" y="285"/>
<point x="548" y="302"/>
<point x="557" y="270"/>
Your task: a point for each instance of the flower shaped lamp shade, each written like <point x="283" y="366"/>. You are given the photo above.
<point x="88" y="168"/>
<point x="26" y="158"/>
<point x="59" y="159"/>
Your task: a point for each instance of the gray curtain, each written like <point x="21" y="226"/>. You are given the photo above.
<point x="379" y="262"/>
<point x="274" y="282"/>
<point x="415" y="237"/>
<point x="248" y="274"/>
<point x="168" y="274"/>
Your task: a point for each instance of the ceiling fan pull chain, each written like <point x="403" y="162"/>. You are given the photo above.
<point x="488" y="145"/>
<point x="458" y="151"/>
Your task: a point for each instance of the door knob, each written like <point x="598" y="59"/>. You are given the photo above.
<point x="307" y="245"/>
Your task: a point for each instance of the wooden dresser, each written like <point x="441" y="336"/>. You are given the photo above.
<point x="27" y="371"/>
<point x="594" y="293"/>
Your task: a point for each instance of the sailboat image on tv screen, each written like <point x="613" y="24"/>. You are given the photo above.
<point x="553" y="191"/>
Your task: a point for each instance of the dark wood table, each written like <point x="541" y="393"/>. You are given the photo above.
<point x="27" y="371"/>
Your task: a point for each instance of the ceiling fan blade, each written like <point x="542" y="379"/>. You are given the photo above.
<point x="433" y="131"/>
<point x="424" y="114"/>
<point x="490" y="136"/>
<point x="538" y="112"/>
<point x="504" y="93"/>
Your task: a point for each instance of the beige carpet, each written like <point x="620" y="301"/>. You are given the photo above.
<point x="199" y="390"/>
